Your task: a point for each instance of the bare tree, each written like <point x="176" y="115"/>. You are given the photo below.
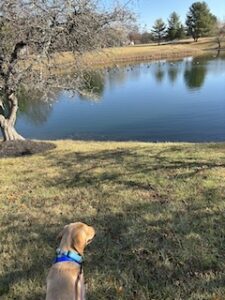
<point x="219" y="32"/>
<point x="33" y="34"/>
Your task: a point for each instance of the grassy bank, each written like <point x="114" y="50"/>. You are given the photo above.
<point x="158" y="210"/>
<point x="142" y="52"/>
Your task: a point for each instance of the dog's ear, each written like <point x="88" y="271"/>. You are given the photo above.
<point x="79" y="241"/>
<point x="59" y="236"/>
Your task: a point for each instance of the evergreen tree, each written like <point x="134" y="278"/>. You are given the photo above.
<point x="181" y="34"/>
<point x="200" y="21"/>
<point x="159" y="30"/>
<point x="175" y="28"/>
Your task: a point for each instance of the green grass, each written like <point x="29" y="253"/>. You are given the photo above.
<point x="159" y="212"/>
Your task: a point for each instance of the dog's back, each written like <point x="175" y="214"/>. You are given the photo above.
<point x="64" y="282"/>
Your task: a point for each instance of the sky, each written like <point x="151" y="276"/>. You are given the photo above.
<point x="150" y="10"/>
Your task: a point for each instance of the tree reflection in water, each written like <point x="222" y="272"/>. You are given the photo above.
<point x="160" y="72"/>
<point x="93" y="87"/>
<point x="192" y="71"/>
<point x="173" y="70"/>
<point x="195" y="73"/>
<point x="38" y="111"/>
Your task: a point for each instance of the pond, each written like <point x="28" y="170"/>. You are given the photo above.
<point x="180" y="100"/>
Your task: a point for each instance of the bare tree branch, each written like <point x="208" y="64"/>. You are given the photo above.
<point x="35" y="33"/>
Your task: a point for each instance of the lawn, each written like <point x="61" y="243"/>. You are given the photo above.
<point x="159" y="212"/>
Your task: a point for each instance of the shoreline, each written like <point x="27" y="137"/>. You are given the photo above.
<point x="151" y="56"/>
<point x="108" y="61"/>
<point x="138" y="53"/>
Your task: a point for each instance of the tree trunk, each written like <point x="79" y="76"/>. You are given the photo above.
<point x="9" y="132"/>
<point x="218" y="53"/>
<point x="219" y="43"/>
<point x="7" y="125"/>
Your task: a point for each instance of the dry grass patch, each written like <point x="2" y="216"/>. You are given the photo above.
<point x="140" y="52"/>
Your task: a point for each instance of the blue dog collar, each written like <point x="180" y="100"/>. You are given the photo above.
<point x="62" y="256"/>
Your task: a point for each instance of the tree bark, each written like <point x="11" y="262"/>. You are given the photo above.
<point x="7" y="125"/>
<point x="8" y="131"/>
<point x="219" y="43"/>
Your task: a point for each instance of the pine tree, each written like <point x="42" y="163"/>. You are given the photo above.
<point x="159" y="30"/>
<point x="175" y="28"/>
<point x="200" y="20"/>
<point x="181" y="34"/>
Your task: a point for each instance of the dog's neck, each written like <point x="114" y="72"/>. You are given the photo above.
<point x="68" y="255"/>
<point x="72" y="249"/>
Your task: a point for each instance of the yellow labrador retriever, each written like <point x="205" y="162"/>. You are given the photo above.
<point x="65" y="280"/>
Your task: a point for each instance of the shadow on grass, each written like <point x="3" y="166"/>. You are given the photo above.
<point x="142" y="252"/>
<point x="157" y="259"/>
<point x="132" y="163"/>
<point x="145" y="248"/>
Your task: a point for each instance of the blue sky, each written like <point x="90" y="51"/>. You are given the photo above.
<point x="149" y="10"/>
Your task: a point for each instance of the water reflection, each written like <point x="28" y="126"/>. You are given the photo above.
<point x="173" y="71"/>
<point x="135" y="71"/>
<point x="193" y="70"/>
<point x="33" y="109"/>
<point x="139" y="101"/>
<point x="93" y="86"/>
<point x="160" y="72"/>
<point x="195" y="73"/>
<point x="38" y="111"/>
<point x="116" y="76"/>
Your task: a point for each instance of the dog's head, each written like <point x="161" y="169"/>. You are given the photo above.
<point x="76" y="236"/>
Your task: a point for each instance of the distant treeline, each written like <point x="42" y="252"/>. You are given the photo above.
<point x="200" y="22"/>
